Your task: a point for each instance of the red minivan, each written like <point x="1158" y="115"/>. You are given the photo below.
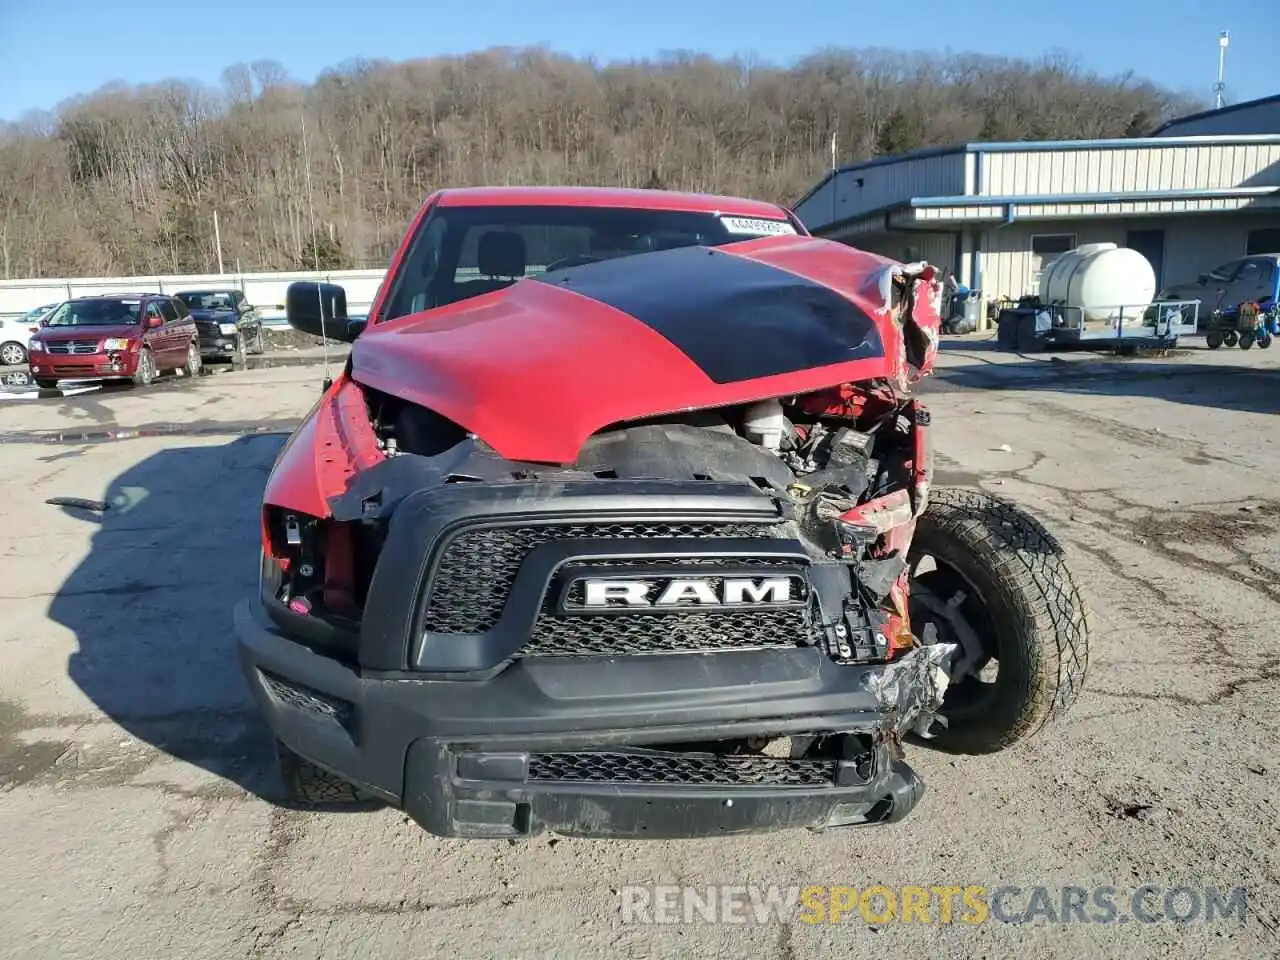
<point x="119" y="337"/>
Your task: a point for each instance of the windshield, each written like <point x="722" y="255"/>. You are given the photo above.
<point x="95" y="313"/>
<point x="462" y="252"/>
<point x="206" y="300"/>
<point x="31" y="316"/>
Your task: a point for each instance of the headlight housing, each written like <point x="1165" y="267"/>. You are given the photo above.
<point x="115" y="343"/>
<point x="35" y="346"/>
<point x="227" y="328"/>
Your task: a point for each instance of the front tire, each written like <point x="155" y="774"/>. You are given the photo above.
<point x="1000" y="587"/>
<point x="1213" y="339"/>
<point x="12" y="354"/>
<point x="194" y="363"/>
<point x="145" y="375"/>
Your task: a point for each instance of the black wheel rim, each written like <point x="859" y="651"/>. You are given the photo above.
<point x="971" y="694"/>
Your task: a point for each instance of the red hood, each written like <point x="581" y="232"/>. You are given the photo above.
<point x="537" y="368"/>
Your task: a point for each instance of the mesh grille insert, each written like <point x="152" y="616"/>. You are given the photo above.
<point x="691" y="769"/>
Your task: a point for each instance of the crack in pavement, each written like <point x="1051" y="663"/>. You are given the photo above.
<point x="1150" y="530"/>
<point x="286" y="828"/>
<point x="1264" y="673"/>
<point x="132" y="588"/>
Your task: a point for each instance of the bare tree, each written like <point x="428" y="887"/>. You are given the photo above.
<point x="126" y="180"/>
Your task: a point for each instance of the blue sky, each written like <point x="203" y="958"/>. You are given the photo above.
<point x="54" y="49"/>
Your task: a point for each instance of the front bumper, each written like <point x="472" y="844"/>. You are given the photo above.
<point x="103" y="366"/>
<point x="474" y="693"/>
<point x="216" y="346"/>
<point x="567" y="746"/>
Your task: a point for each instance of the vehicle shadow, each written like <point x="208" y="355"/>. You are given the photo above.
<point x="1181" y="380"/>
<point x="151" y="606"/>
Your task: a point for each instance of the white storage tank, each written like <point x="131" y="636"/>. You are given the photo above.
<point x="1097" y="279"/>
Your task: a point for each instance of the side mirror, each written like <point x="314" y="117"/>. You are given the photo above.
<point x="320" y="309"/>
<point x="153" y="322"/>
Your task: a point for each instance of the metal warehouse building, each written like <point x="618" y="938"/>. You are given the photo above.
<point x="998" y="213"/>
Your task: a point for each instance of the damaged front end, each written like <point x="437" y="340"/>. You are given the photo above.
<point x="700" y="626"/>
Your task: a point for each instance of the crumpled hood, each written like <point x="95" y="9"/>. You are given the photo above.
<point x="537" y="368"/>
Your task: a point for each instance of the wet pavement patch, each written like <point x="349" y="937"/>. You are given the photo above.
<point x="22" y="762"/>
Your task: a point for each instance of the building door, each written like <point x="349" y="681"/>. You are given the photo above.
<point x="1149" y="243"/>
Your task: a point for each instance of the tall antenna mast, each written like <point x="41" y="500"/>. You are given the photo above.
<point x="1224" y="40"/>
<point x="311" y="206"/>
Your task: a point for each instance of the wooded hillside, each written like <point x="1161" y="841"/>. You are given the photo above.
<point x="126" y="181"/>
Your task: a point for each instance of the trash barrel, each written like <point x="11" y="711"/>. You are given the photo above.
<point x="973" y="310"/>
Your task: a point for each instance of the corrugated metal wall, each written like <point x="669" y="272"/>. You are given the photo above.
<point x="1180" y="167"/>
<point x="882" y="186"/>
<point x="938" y="248"/>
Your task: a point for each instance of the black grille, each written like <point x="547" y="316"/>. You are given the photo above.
<point x="670" y="631"/>
<point x="476" y="571"/>
<point x="691" y="769"/>
<point x="666" y="633"/>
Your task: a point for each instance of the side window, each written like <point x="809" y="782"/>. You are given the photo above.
<point x="1256" y="280"/>
<point x="1267" y="276"/>
<point x="417" y="283"/>
<point x="181" y="307"/>
<point x="241" y="303"/>
<point x="153" y="311"/>
<point x="168" y="311"/>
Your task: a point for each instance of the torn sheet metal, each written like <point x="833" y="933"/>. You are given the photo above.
<point x="911" y="688"/>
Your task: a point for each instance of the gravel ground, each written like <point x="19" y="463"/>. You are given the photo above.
<point x="139" y="815"/>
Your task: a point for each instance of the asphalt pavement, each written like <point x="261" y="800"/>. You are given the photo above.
<point x="140" y="817"/>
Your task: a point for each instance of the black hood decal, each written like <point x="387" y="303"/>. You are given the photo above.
<point x="737" y="319"/>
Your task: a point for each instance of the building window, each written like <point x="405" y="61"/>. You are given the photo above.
<point x="1047" y="248"/>
<point x="1263" y="241"/>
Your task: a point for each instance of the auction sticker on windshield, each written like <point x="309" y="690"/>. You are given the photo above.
<point x="755" y="227"/>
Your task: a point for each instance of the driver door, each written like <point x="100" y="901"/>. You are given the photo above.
<point x="176" y="334"/>
<point x="155" y="335"/>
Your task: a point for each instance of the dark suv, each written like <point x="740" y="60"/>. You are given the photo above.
<point x="229" y="325"/>
<point x="122" y="337"/>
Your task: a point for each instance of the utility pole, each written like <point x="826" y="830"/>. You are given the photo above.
<point x="1224" y="40"/>
<point x="217" y="240"/>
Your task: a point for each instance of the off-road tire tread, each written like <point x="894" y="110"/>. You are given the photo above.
<point x="1036" y="588"/>
<point x="310" y="784"/>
